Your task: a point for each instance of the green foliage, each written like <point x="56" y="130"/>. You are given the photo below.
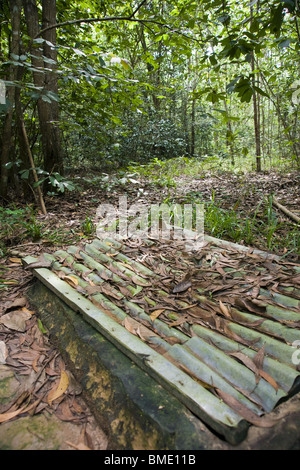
<point x="34" y="229"/>
<point x="265" y="232"/>
<point x="18" y="224"/>
<point x="88" y="227"/>
<point x="137" y="138"/>
<point x="151" y="137"/>
<point x="223" y="223"/>
<point x="59" y="183"/>
<point x="170" y="80"/>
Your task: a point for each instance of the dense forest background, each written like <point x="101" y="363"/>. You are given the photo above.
<point x="98" y="86"/>
<point x="171" y="102"/>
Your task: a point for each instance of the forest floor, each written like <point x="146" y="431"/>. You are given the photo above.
<point x="33" y="375"/>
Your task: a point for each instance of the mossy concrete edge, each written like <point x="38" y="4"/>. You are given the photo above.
<point x="135" y="411"/>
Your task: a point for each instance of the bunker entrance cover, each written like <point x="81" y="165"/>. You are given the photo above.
<point x="218" y="328"/>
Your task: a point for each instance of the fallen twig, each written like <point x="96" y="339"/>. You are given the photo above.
<point x="285" y="210"/>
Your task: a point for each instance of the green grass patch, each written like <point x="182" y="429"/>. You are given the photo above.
<point x="262" y="229"/>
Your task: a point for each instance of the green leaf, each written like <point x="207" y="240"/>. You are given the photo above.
<point x="261" y="92"/>
<point x="212" y="59"/>
<point x="284" y="43"/>
<point x="90" y="69"/>
<point x="9" y="165"/>
<point x="276" y="19"/>
<point x="224" y="19"/>
<point x="125" y="64"/>
<point x="231" y="86"/>
<point x="40" y="325"/>
<point x="69" y="185"/>
<point x="79" y="52"/>
<point x="38" y="183"/>
<point x="247" y="96"/>
<point x="61" y="187"/>
<point x="53" y="181"/>
<point x="46" y="98"/>
<point x="24" y="174"/>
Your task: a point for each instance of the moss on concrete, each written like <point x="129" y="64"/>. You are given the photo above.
<point x="34" y="433"/>
<point x="136" y="412"/>
<point x="9" y="385"/>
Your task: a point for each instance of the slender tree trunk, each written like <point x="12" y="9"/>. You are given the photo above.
<point x="15" y="11"/>
<point x="229" y="135"/>
<point x="256" y="116"/>
<point x="47" y="112"/>
<point x="51" y="84"/>
<point x="282" y="121"/>
<point x="255" y="106"/>
<point x="23" y="154"/>
<point x="193" y="110"/>
<point x="263" y="130"/>
<point x="257" y="132"/>
<point x="193" y="113"/>
<point x="150" y="69"/>
<point x="185" y="125"/>
<point x="6" y="145"/>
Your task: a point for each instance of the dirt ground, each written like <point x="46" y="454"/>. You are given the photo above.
<point x="41" y="405"/>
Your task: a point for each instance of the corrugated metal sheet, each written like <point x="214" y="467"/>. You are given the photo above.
<point x="224" y="345"/>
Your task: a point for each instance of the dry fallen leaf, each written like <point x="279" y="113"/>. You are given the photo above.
<point x="11" y="414"/>
<point x="269" y="379"/>
<point x="130" y="325"/>
<point x="16" y="320"/>
<point x="156" y="314"/>
<point x="29" y="312"/>
<point x="19" y="302"/>
<point x="40" y="263"/>
<point x="79" y="446"/>
<point x="71" y="280"/>
<point x="182" y="286"/>
<point x="224" y="309"/>
<point x="34" y="364"/>
<point x="16" y="260"/>
<point x="259" y="358"/>
<point x="60" y="389"/>
<point x="3" y="352"/>
<point x="247" y="361"/>
<point x="248" y="415"/>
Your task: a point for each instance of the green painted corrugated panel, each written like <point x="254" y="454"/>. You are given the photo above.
<point x="237" y="374"/>
<point x="200" y="348"/>
<point x="211" y="376"/>
<point x="284" y="374"/>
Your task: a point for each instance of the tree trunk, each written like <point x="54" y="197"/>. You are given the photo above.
<point x="47" y="112"/>
<point x="184" y="104"/>
<point x="255" y="106"/>
<point x="257" y="131"/>
<point x="229" y="135"/>
<point x="51" y="84"/>
<point x="15" y="11"/>
<point x="256" y="118"/>
<point x="193" y="114"/>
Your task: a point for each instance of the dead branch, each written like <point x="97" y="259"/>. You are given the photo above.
<point x="285" y="210"/>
